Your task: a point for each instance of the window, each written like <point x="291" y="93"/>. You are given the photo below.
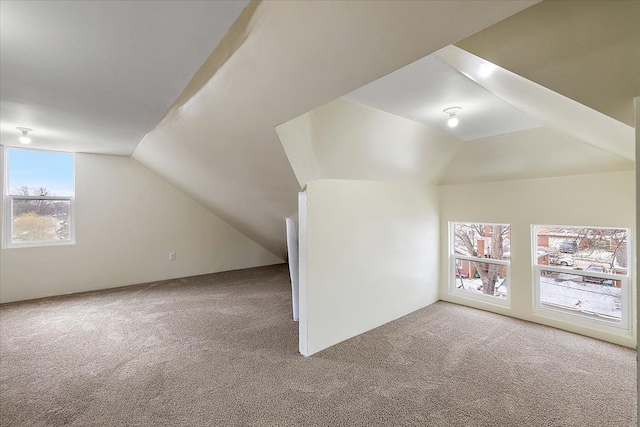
<point x="38" y="198"/>
<point x="480" y="256"/>
<point x="581" y="274"/>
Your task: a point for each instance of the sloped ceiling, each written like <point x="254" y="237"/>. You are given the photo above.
<point x="422" y="90"/>
<point x="281" y="59"/>
<point x="96" y="76"/>
<point x="588" y="51"/>
<point x="522" y="129"/>
<point x="545" y="106"/>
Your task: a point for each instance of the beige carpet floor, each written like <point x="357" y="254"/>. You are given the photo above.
<point x="221" y="350"/>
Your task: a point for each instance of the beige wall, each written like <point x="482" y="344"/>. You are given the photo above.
<point x="368" y="255"/>
<point x="560" y="201"/>
<point x="128" y="219"/>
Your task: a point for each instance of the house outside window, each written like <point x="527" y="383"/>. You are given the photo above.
<point x="38" y="198"/>
<point x="480" y="260"/>
<point x="581" y="275"/>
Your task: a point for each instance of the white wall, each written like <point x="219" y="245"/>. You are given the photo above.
<point x="369" y="255"/>
<point x="559" y="201"/>
<point x="636" y="104"/>
<point x="345" y="140"/>
<point x="529" y="154"/>
<point x="128" y="219"/>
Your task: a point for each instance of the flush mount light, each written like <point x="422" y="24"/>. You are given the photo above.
<point x="24" y="138"/>
<point x="453" y="120"/>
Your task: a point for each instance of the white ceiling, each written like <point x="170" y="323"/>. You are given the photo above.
<point x="97" y="76"/>
<point x="422" y="90"/>
<point x="220" y="145"/>
<point x="547" y="107"/>
<point x="537" y="132"/>
<point x="588" y="51"/>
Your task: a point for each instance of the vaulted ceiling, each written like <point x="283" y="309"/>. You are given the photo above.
<point x="509" y="128"/>
<point x="281" y="59"/>
<point x="217" y="141"/>
<point x="96" y="76"/>
<point x="422" y="90"/>
<point x="588" y="51"/>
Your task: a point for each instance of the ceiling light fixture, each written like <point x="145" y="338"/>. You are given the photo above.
<point x="453" y="120"/>
<point x="24" y="138"/>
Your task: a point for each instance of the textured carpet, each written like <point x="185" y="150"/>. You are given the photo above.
<point x="220" y="350"/>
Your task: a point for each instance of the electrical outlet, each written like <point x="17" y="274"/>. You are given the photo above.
<point x="172" y="256"/>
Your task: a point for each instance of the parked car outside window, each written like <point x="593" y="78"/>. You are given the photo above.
<point x="569" y="247"/>
<point x="597" y="269"/>
<point x="565" y="261"/>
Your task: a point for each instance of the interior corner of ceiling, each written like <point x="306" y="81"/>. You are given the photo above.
<point x="295" y="138"/>
<point x="138" y="151"/>
<point x="444" y="177"/>
<point x="230" y="43"/>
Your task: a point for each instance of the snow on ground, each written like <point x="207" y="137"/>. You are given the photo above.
<point x="589" y="298"/>
<point x="473" y="285"/>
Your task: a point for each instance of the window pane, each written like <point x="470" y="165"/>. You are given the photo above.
<point x="595" y="249"/>
<point x="40" y="221"/>
<point x="482" y="278"/>
<point x="39" y="173"/>
<point x="482" y="240"/>
<point x="591" y="296"/>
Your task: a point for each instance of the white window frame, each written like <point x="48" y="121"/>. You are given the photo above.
<point x="453" y="257"/>
<point x="575" y="317"/>
<point x="9" y="199"/>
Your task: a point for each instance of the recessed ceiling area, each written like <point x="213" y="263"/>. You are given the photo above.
<point x="489" y="101"/>
<point x="422" y="90"/>
<point x="95" y="77"/>
<point x="394" y="129"/>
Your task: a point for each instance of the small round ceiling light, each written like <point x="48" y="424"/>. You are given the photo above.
<point x="24" y="138"/>
<point x="453" y="120"/>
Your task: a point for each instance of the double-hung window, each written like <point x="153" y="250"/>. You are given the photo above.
<point x="480" y="261"/>
<point x="581" y="275"/>
<point x="38" y="198"/>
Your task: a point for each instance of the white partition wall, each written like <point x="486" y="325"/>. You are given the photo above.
<point x="302" y="273"/>
<point x="637" y="111"/>
<point x="368" y="255"/>
<point x="292" y="251"/>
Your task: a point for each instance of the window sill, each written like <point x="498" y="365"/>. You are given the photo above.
<point x="485" y="299"/>
<point x="584" y="321"/>
<point x="37" y="245"/>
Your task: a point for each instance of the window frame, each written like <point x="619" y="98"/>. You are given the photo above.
<point x="575" y="317"/>
<point x="453" y="257"/>
<point x="8" y="200"/>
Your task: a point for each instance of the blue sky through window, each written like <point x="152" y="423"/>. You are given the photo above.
<point x="35" y="168"/>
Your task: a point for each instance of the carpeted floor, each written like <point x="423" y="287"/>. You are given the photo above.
<point x="221" y="350"/>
